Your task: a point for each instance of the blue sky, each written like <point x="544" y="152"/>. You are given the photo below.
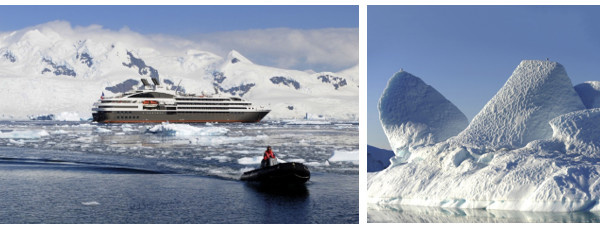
<point x="200" y="22"/>
<point x="183" y="20"/>
<point x="468" y="52"/>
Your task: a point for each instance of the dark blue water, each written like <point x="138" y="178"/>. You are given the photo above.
<point x="54" y="172"/>
<point x="35" y="191"/>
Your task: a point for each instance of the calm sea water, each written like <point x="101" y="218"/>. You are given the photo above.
<point x="415" y="214"/>
<point x="56" y="172"/>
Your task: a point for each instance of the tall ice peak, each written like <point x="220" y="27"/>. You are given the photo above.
<point x="414" y="114"/>
<point x="535" y="93"/>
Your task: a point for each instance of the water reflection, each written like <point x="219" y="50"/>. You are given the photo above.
<point x="417" y="214"/>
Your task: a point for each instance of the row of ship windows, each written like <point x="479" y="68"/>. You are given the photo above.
<point x="117" y="101"/>
<point x="207" y="108"/>
<point x="202" y="99"/>
<point x="162" y="113"/>
<point x="179" y="103"/>
<point x="135" y="101"/>
<point x="108" y="106"/>
<point x="117" y="106"/>
<point x="179" y="108"/>
<point x="128" y="117"/>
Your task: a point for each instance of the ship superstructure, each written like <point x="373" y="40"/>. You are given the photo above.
<point x="155" y="103"/>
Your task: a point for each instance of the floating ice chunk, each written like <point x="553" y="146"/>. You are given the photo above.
<point x="219" y="140"/>
<point x="102" y="130"/>
<point x="90" y="203"/>
<point x="307" y="122"/>
<point x="84" y="125"/>
<point x="250" y="160"/>
<point x="218" y="158"/>
<point x="186" y="130"/>
<point x="315" y="164"/>
<point x="127" y="127"/>
<point x="414" y="114"/>
<point x="17" y="142"/>
<point x="589" y="93"/>
<point x="60" y="132"/>
<point x="344" y="156"/>
<point x="24" y="134"/>
<point x="535" y="93"/>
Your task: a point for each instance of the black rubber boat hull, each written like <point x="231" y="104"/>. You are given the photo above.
<point x="283" y="173"/>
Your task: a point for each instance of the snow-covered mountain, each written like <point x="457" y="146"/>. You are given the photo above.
<point x="533" y="147"/>
<point x="54" y="68"/>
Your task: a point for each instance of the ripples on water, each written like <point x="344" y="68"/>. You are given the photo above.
<point x="221" y="150"/>
<point x="82" y="172"/>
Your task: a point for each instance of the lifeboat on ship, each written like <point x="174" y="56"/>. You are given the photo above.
<point x="150" y="104"/>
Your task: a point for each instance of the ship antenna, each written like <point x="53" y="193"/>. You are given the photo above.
<point x="177" y="89"/>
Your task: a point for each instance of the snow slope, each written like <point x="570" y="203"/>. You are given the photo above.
<point x="589" y="93"/>
<point x="55" y="68"/>
<point x="536" y="92"/>
<point x="414" y="114"/>
<point x="558" y="170"/>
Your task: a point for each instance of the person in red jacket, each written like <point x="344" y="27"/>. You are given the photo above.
<point x="269" y="158"/>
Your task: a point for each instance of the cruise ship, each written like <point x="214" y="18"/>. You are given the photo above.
<point x="155" y="103"/>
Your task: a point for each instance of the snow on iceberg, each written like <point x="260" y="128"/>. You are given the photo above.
<point x="589" y="93"/>
<point x="580" y="131"/>
<point x="414" y="114"/>
<point x="186" y="130"/>
<point x="536" y="92"/>
<point x="558" y="170"/>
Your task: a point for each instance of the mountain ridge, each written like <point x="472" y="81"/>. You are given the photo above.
<point x="93" y="60"/>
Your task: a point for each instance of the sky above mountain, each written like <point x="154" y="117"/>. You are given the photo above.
<point x="297" y="37"/>
<point x="468" y="52"/>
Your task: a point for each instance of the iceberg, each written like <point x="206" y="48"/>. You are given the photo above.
<point x="536" y="92"/>
<point x="414" y="114"/>
<point x="580" y="131"/>
<point x="589" y="93"/>
<point x="533" y="147"/>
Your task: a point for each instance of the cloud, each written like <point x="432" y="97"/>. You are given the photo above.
<point x="330" y="49"/>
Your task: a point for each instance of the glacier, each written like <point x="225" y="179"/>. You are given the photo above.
<point x="414" y="114"/>
<point x="538" y="151"/>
